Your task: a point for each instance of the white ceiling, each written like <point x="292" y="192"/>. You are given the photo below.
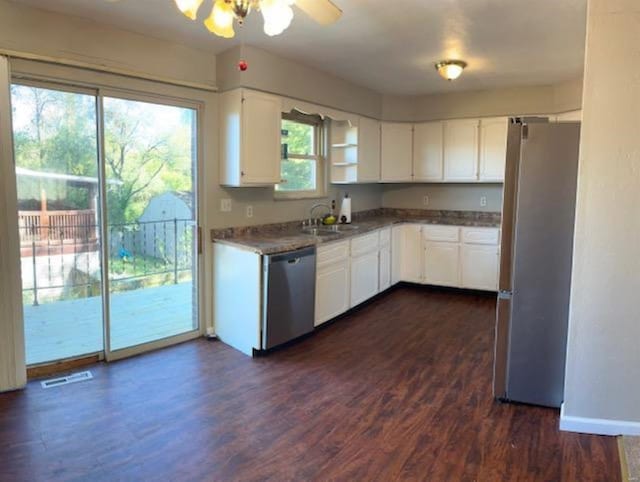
<point x="390" y="46"/>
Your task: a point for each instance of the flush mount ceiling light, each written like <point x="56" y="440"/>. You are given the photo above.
<point x="277" y="14"/>
<point x="450" y="69"/>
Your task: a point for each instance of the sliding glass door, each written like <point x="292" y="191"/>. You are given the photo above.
<point x="150" y="156"/>
<point x="56" y="157"/>
<point x="91" y="169"/>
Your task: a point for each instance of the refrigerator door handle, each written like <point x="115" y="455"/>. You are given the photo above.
<point x="505" y="294"/>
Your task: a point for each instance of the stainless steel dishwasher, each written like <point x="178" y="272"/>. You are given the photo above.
<point x="289" y="296"/>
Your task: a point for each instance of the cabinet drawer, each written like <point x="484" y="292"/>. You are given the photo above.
<point x="441" y="233"/>
<point x="332" y="253"/>
<point x="385" y="236"/>
<point x="481" y="236"/>
<point x="364" y="244"/>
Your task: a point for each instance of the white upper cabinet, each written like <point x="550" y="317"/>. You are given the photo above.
<point x="461" y="150"/>
<point x="428" y="152"/>
<point x="395" y="152"/>
<point x="493" y="148"/>
<point x="369" y="150"/>
<point x="250" y="148"/>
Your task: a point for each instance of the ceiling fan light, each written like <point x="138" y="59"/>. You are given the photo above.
<point x="450" y="69"/>
<point x="220" y="22"/>
<point x="189" y="7"/>
<point x="277" y="15"/>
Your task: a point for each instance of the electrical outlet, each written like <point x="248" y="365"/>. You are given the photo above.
<point x="249" y="211"/>
<point x="483" y="201"/>
<point x="225" y="205"/>
<point x="425" y="201"/>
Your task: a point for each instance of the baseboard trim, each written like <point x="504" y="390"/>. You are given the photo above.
<point x="597" y="426"/>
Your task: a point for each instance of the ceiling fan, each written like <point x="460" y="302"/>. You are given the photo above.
<point x="277" y="14"/>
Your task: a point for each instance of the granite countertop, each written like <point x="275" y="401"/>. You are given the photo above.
<point x="278" y="238"/>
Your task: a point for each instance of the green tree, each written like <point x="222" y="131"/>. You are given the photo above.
<point x="299" y="173"/>
<point x="148" y="148"/>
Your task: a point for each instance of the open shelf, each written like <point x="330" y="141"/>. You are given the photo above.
<point x="344" y="174"/>
<point x="344" y="152"/>
<point x="343" y="146"/>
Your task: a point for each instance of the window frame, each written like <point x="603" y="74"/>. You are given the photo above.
<point x="319" y="157"/>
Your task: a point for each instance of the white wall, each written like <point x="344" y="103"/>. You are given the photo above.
<point x="459" y="197"/>
<point x="602" y="389"/>
<point x="271" y="73"/>
<point x="32" y="30"/>
<point x="540" y="99"/>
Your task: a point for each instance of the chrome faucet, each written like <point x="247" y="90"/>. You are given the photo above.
<point x="312" y="220"/>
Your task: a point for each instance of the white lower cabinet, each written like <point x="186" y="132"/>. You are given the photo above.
<point x="384" y="260"/>
<point x="480" y="267"/>
<point x="441" y="263"/>
<point x="446" y="256"/>
<point x="350" y="272"/>
<point x="364" y="277"/>
<point x="332" y="281"/>
<point x="407" y="253"/>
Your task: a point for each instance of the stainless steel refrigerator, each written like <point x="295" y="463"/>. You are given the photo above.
<point x="535" y="262"/>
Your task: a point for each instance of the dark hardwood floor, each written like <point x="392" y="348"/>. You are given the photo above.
<point x="399" y="390"/>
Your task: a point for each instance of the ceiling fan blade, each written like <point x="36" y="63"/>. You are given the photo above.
<point x="325" y="12"/>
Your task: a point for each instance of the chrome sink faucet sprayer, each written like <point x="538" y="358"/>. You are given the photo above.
<point x="315" y="221"/>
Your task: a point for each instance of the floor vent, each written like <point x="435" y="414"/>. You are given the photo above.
<point x="73" y="378"/>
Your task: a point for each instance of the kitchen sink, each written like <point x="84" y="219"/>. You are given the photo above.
<point x="315" y="231"/>
<point x="329" y="230"/>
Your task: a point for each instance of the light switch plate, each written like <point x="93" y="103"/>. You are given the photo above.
<point x="225" y="205"/>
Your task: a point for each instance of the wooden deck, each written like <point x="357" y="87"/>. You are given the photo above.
<point x="71" y="328"/>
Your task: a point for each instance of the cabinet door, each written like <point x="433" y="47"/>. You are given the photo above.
<point x="395" y="152"/>
<point x="493" y="148"/>
<point x="427" y="152"/>
<point x="364" y="277"/>
<point x="407" y="253"/>
<point x="397" y="233"/>
<point x="261" y="121"/>
<point x="442" y="263"/>
<point x="332" y="291"/>
<point x="480" y="267"/>
<point x="385" y="267"/>
<point x="368" y="150"/>
<point x="461" y="150"/>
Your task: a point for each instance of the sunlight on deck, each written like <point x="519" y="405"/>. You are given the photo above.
<point x="71" y="328"/>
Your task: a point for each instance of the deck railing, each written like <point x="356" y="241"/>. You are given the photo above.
<point x="66" y="256"/>
<point x="41" y="226"/>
